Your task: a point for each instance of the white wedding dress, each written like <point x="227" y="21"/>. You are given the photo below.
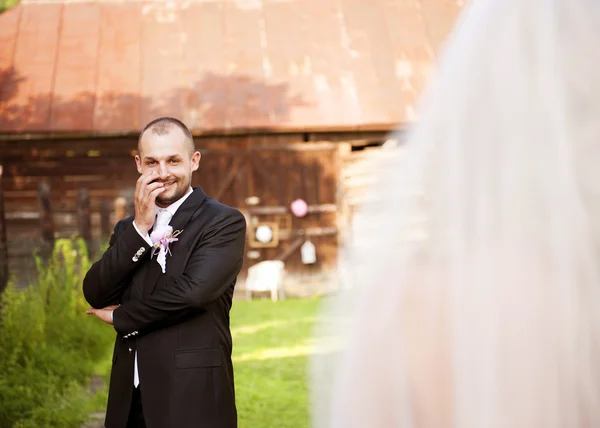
<point x="489" y="317"/>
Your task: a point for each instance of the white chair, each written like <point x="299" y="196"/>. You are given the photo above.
<point x="266" y="276"/>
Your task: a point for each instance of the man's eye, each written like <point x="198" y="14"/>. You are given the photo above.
<point x="150" y="162"/>
<point x="175" y="162"/>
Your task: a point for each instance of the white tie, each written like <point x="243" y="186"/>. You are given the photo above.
<point x="163" y="217"/>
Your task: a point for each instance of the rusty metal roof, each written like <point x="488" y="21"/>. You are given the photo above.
<point x="219" y="65"/>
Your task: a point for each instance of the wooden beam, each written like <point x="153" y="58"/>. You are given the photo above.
<point x="46" y="222"/>
<point x="84" y="223"/>
<point x="316" y="231"/>
<point x="320" y="208"/>
<point x="105" y="231"/>
<point x="23" y="215"/>
<point x="129" y="205"/>
<point x="291" y="147"/>
<point x="120" y="206"/>
<point x="293" y="247"/>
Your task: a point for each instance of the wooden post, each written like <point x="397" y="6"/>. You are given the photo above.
<point x="46" y="222"/>
<point x="3" y="241"/>
<point x="129" y="205"/>
<point x="84" y="223"/>
<point x="317" y="177"/>
<point x="344" y="214"/>
<point x="105" y="231"/>
<point x="120" y="204"/>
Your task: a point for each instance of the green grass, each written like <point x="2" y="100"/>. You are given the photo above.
<point x="49" y="350"/>
<point x="271" y="346"/>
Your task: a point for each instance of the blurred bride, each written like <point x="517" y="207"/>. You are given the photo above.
<point x="489" y="316"/>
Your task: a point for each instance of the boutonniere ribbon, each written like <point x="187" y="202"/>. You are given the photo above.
<point x="162" y="238"/>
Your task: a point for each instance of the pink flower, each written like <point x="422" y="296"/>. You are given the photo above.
<point x="162" y="238"/>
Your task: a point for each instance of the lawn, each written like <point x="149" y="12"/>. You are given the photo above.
<point x="271" y="345"/>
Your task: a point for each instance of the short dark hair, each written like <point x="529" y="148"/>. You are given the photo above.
<point x="163" y="125"/>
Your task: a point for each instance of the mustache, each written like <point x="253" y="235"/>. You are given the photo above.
<point x="164" y="181"/>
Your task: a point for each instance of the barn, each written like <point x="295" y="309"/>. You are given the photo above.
<point x="287" y="100"/>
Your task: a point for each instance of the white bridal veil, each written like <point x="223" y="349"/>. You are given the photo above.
<point x="473" y="272"/>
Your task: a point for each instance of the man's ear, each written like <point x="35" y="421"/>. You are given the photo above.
<point x="196" y="160"/>
<point x="138" y="163"/>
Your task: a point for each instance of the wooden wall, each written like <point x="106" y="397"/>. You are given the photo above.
<point x="276" y="169"/>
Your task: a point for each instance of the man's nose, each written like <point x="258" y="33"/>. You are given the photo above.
<point x="163" y="171"/>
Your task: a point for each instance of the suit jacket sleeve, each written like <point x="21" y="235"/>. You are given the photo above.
<point x="211" y="269"/>
<point x="106" y="280"/>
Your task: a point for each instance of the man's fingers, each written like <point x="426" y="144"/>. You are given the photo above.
<point x="153" y="186"/>
<point x="155" y="193"/>
<point x="146" y="178"/>
<point x="143" y="181"/>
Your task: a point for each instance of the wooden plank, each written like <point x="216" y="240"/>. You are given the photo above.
<point x="23" y="215"/>
<point x="291" y="249"/>
<point x="320" y="208"/>
<point x="304" y="180"/>
<point x="105" y="229"/>
<point x="270" y="180"/>
<point x="120" y="208"/>
<point x="46" y="223"/>
<point x="317" y="177"/>
<point x="230" y="178"/>
<point x="297" y="147"/>
<point x="83" y="216"/>
<point x="281" y="186"/>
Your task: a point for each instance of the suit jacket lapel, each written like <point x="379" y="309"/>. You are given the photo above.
<point x="178" y="222"/>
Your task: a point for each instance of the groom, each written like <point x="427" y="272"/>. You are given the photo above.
<point x="172" y="357"/>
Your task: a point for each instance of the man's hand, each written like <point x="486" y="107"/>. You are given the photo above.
<point x="104" y="314"/>
<point x="146" y="192"/>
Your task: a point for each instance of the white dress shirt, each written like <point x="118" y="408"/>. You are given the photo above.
<point x="172" y="209"/>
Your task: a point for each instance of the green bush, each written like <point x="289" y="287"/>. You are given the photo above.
<point x="7" y="4"/>
<point x="49" y="347"/>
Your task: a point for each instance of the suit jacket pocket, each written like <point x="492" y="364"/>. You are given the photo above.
<point x="198" y="358"/>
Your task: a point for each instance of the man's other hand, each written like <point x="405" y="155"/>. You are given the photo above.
<point x="104" y="314"/>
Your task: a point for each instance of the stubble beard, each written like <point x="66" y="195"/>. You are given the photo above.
<point x="180" y="192"/>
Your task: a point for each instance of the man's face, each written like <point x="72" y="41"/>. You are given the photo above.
<point x="171" y="157"/>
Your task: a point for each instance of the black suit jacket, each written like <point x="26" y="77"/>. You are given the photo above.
<point x="178" y="321"/>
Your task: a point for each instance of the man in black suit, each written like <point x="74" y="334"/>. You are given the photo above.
<point x="169" y="300"/>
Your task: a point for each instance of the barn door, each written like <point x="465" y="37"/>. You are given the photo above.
<point x="263" y="181"/>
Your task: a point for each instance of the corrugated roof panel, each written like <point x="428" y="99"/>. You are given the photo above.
<point x="34" y="61"/>
<point x="118" y="99"/>
<point x="331" y="66"/>
<point x="8" y="33"/>
<point x="162" y="55"/>
<point x="113" y="66"/>
<point x="373" y="60"/>
<point x="76" y="68"/>
<point x="204" y="56"/>
<point x="249" y="94"/>
<point x="411" y="51"/>
<point x="291" y="87"/>
<point x="9" y="80"/>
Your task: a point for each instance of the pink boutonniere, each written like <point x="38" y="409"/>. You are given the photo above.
<point x="162" y="238"/>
